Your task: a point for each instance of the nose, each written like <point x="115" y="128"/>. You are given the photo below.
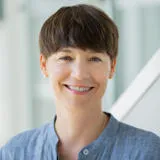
<point x="80" y="70"/>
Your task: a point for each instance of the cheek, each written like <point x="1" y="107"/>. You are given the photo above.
<point x="57" y="75"/>
<point x="101" y="76"/>
<point x="101" y="73"/>
<point x="57" y="72"/>
<point x="102" y="80"/>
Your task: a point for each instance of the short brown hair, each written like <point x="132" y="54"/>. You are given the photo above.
<point x="83" y="26"/>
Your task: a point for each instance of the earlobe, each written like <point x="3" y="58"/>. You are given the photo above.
<point x="111" y="75"/>
<point x="43" y="65"/>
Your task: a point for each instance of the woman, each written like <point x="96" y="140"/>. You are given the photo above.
<point x="78" y="46"/>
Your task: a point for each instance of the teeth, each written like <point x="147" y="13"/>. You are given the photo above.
<point x="80" y="89"/>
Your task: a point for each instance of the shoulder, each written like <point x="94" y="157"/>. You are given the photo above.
<point x="27" y="137"/>
<point x="24" y="142"/>
<point x="137" y="133"/>
<point x="140" y="142"/>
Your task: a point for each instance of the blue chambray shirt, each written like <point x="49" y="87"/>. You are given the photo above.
<point x="118" y="141"/>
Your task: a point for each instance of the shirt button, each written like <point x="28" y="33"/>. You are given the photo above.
<point x="85" y="151"/>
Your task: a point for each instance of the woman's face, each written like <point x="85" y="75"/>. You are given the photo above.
<point x="78" y="77"/>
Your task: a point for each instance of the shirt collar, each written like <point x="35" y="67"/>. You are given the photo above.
<point x="105" y="137"/>
<point x="52" y="136"/>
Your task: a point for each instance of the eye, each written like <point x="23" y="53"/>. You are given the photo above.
<point x="66" y="58"/>
<point x="95" y="59"/>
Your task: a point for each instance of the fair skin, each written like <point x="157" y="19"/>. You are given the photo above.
<point x="78" y="79"/>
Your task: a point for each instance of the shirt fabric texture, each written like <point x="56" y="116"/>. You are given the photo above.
<point x="118" y="141"/>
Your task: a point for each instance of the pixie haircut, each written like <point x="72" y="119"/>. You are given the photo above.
<point x="81" y="26"/>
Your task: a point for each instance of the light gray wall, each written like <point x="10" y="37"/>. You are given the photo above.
<point x="146" y="114"/>
<point x="15" y="99"/>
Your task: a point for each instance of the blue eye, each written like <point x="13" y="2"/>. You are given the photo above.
<point x="66" y="58"/>
<point x="95" y="59"/>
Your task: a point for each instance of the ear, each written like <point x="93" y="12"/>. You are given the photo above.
<point x="43" y="65"/>
<point x="113" y="68"/>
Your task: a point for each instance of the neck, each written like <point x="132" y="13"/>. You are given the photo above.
<point x="79" y="128"/>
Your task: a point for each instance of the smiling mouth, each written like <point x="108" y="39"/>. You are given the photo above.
<point x="78" y="88"/>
